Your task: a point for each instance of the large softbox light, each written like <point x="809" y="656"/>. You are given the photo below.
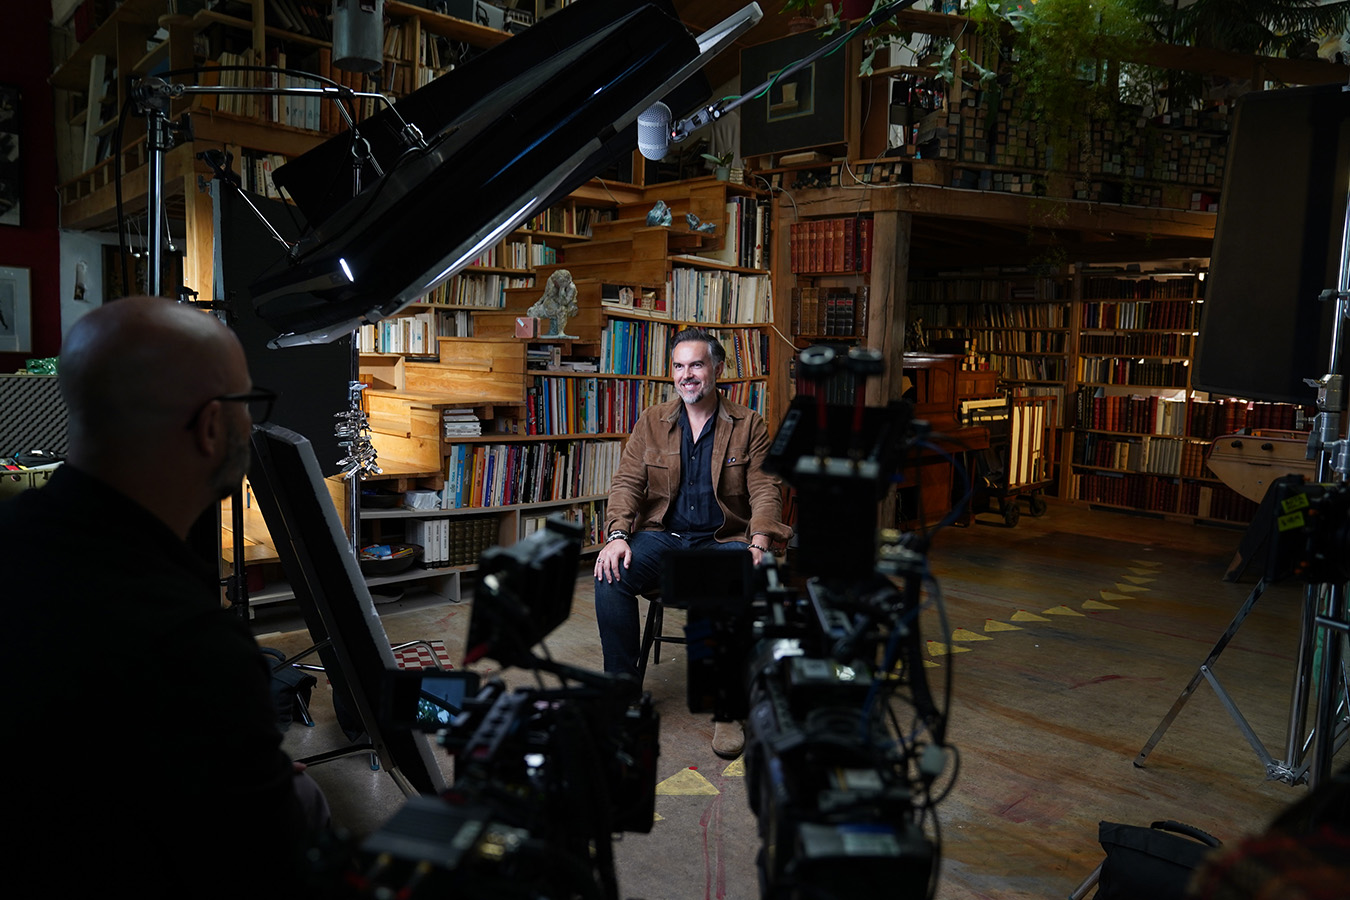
<point x="508" y="134"/>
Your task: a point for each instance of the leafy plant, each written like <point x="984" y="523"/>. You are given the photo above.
<point x="722" y="161"/>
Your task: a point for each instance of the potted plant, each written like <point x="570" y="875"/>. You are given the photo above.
<point x="721" y="164"/>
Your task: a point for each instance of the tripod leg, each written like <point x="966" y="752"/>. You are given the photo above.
<point x="1200" y="673"/>
<point x="1330" y="685"/>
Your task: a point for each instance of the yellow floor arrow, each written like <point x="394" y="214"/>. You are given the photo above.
<point x="1023" y="616"/>
<point x="929" y="664"/>
<point x="962" y="634"/>
<point x="1142" y="571"/>
<point x="1112" y="595"/>
<point x="996" y="625"/>
<point x="1061" y="611"/>
<point x="686" y="783"/>
<point x="938" y="648"/>
<point x="1152" y="564"/>
<point x="1134" y="579"/>
<point x="736" y="769"/>
<point x="1132" y="588"/>
<point x="1097" y="604"/>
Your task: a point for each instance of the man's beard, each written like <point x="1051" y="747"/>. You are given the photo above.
<point x="693" y="393"/>
<point x="235" y="464"/>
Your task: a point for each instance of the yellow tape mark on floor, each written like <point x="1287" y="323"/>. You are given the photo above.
<point x="996" y="625"/>
<point x="1142" y="571"/>
<point x="1152" y="564"/>
<point x="1132" y="588"/>
<point x="686" y="783"/>
<point x="938" y="648"/>
<point x="1097" y="604"/>
<point x="1135" y="579"/>
<point x="962" y="634"/>
<point x="1062" y="611"/>
<point x="736" y="769"/>
<point x="657" y="817"/>
<point x="1023" y="616"/>
<point x="1112" y="595"/>
<point x="929" y="664"/>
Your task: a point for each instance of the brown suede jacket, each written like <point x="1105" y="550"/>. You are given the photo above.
<point x="649" y="473"/>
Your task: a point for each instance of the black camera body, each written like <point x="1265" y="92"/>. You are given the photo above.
<point x="1311" y="536"/>
<point x="840" y="791"/>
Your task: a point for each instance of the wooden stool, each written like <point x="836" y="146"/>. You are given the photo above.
<point x="652" y="638"/>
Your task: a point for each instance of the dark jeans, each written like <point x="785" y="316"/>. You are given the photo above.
<point x="616" y="610"/>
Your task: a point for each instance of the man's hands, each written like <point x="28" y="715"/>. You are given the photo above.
<point x="614" y="557"/>
<point x="756" y="555"/>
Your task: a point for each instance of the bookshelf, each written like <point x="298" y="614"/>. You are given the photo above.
<point x="518" y="428"/>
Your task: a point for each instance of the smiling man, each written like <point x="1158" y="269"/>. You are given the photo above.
<point x="691" y="478"/>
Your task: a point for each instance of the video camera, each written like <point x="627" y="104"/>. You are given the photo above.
<point x="1311" y="536"/>
<point x="840" y="787"/>
<point x="543" y="777"/>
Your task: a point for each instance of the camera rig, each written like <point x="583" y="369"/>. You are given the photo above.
<point x="841" y="787"/>
<point x="543" y="776"/>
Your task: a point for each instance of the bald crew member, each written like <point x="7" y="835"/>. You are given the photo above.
<point x="140" y="735"/>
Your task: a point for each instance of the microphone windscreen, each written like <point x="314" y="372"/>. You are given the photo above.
<point x="654" y="131"/>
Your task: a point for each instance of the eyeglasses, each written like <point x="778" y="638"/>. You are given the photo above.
<point x="259" y="400"/>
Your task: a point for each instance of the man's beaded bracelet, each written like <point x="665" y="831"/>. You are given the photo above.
<point x="616" y="536"/>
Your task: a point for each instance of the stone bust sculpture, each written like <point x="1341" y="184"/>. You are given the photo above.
<point x="558" y="304"/>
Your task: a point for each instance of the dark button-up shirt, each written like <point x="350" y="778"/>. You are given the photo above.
<point x="694" y="513"/>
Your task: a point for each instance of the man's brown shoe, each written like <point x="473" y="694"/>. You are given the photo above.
<point x="728" y="739"/>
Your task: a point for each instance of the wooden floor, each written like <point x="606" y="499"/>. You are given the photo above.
<point x="1071" y="636"/>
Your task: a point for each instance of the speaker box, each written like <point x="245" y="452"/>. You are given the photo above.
<point x="1277" y="246"/>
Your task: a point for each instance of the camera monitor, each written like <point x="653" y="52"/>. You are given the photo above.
<point x="333" y="597"/>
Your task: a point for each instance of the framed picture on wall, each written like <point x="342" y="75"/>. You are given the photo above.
<point x="800" y="111"/>
<point x="11" y="177"/>
<point x="16" y="334"/>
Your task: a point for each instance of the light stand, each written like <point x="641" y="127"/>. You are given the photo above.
<point x="1324" y="604"/>
<point x="152" y="97"/>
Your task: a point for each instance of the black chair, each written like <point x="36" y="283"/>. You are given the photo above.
<point x="652" y="636"/>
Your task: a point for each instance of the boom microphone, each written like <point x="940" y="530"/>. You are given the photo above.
<point x="654" y="131"/>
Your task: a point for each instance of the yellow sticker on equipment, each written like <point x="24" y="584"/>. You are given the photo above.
<point x="1289" y="522"/>
<point x="1298" y="501"/>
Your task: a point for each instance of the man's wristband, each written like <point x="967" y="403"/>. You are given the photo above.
<point x="759" y="548"/>
<point x="616" y="535"/>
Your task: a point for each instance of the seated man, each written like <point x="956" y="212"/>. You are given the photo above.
<point x="691" y="478"/>
<point x="140" y="728"/>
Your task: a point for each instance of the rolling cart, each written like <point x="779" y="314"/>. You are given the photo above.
<point x="1020" y="461"/>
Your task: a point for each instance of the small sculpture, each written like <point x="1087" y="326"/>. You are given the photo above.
<point x="557" y="305"/>
<point x="659" y="214"/>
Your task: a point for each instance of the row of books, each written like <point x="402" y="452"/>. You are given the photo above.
<point x="306" y="17"/>
<point x="715" y="297"/>
<point x="255" y="172"/>
<point x="1207" y="419"/>
<point x="830" y="311"/>
<point x="991" y="315"/>
<point x="1019" y="341"/>
<point x="453" y="542"/>
<point x="1179" y="314"/>
<point x="569" y="219"/>
<point x="635" y="299"/>
<point x="1216" y="501"/>
<point x="831" y="245"/>
<point x="487" y="475"/>
<point x="590" y="515"/>
<point x="637" y="347"/>
<point x="1160" y="456"/>
<point x="1162" y="344"/>
<point x="1028" y="368"/>
<point x="414" y="335"/>
<point x="478" y="289"/>
<point x="1107" y="288"/>
<point x="1148" y="373"/>
<point x="753" y="394"/>
<point x="558" y="405"/>
<point x="527" y="255"/>
<point x="991" y="290"/>
<point x="747" y="234"/>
